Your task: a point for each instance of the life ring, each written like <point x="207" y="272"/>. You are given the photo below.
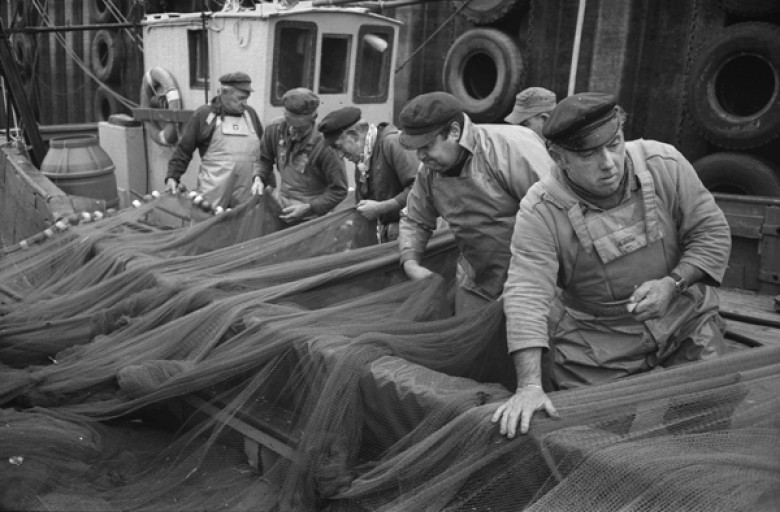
<point x="733" y="91"/>
<point x="487" y="11"/>
<point x="484" y="70"/>
<point x="106" y="104"/>
<point x="106" y="55"/>
<point x="738" y="173"/>
<point x="159" y="90"/>
<point x="23" y="48"/>
<point x="750" y="8"/>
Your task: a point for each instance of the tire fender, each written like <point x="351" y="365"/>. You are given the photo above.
<point x="106" y="104"/>
<point x="106" y="55"/>
<point x="750" y="8"/>
<point x="733" y="92"/>
<point x="159" y="90"/>
<point x="738" y="173"/>
<point x="482" y="12"/>
<point x="484" y="70"/>
<point x="99" y="11"/>
<point x="23" y="48"/>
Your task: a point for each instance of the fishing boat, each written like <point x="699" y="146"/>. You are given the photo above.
<point x="303" y="370"/>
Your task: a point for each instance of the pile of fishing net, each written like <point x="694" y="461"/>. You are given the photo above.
<point x="139" y="363"/>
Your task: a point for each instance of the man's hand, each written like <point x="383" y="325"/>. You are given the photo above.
<point x="415" y="271"/>
<point x="257" y="186"/>
<point x="521" y="408"/>
<point x="371" y="210"/>
<point x="172" y="186"/>
<point x="295" y="212"/>
<point x="651" y="299"/>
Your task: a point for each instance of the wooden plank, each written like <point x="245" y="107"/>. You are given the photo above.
<point x="251" y="431"/>
<point x="766" y="336"/>
<point x="748" y="305"/>
<point x="162" y="115"/>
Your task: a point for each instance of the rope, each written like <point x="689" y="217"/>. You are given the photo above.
<point x="68" y="50"/>
<point x="435" y="32"/>
<point x="111" y="6"/>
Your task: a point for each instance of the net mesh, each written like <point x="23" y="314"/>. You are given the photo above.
<point x="143" y="366"/>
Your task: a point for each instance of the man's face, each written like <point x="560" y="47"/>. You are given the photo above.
<point x="441" y="154"/>
<point x="235" y="99"/>
<point x="536" y="123"/>
<point x="300" y="125"/>
<point x="349" y="145"/>
<point x="599" y="171"/>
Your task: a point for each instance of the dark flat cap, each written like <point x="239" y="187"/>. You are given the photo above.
<point x="239" y="80"/>
<point x="423" y="117"/>
<point x="333" y="124"/>
<point x="300" y="102"/>
<point x="583" y="121"/>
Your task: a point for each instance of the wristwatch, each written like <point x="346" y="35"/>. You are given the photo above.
<point x="680" y="283"/>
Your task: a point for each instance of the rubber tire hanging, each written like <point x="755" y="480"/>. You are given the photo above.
<point x="734" y="86"/>
<point x="106" y="55"/>
<point x="750" y="8"/>
<point x="484" y="70"/>
<point x="482" y="12"/>
<point x="738" y="173"/>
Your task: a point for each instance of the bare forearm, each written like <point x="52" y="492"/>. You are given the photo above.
<point x="528" y="367"/>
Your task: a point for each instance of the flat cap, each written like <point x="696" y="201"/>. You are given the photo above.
<point x="530" y="102"/>
<point x="333" y="124"/>
<point x="583" y="121"/>
<point x="239" y="80"/>
<point x="423" y="117"/>
<point x="300" y="102"/>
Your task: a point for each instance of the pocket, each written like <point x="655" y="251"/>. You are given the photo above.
<point x="300" y="161"/>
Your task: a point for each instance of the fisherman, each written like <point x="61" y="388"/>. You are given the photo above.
<point x="226" y="133"/>
<point x="532" y="109"/>
<point x="313" y="178"/>
<point x="635" y="242"/>
<point x="384" y="170"/>
<point x="473" y="176"/>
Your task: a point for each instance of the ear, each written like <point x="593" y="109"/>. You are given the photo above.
<point x="557" y="156"/>
<point x="455" y="131"/>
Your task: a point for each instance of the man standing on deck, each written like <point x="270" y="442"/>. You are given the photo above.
<point x="227" y="134"/>
<point x="473" y="176"/>
<point x="384" y="170"/>
<point x="313" y="177"/>
<point x="635" y="242"/>
<point x="532" y="109"/>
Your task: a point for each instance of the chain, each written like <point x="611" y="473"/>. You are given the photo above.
<point x="687" y="70"/>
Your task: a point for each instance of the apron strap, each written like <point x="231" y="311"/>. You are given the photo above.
<point x="649" y="198"/>
<point x="568" y="201"/>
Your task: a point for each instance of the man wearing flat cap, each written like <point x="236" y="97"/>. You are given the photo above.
<point x="473" y="176"/>
<point x="635" y="242"/>
<point x="384" y="170"/>
<point x="532" y="109"/>
<point x="226" y="133"/>
<point x="313" y="178"/>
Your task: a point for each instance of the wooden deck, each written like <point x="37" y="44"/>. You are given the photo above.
<point x="750" y="316"/>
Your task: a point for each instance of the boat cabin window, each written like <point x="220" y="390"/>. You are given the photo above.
<point x="199" y="58"/>
<point x="372" y="75"/>
<point x="334" y="63"/>
<point x="294" y="48"/>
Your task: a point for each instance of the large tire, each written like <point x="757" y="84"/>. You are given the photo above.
<point x="159" y="90"/>
<point x="734" y="86"/>
<point x="106" y="55"/>
<point x="484" y="70"/>
<point x="100" y="13"/>
<point x="482" y="12"/>
<point x="738" y="173"/>
<point x="750" y="8"/>
<point x="106" y="104"/>
<point x="23" y="50"/>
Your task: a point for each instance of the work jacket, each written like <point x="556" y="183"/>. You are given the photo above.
<point x="479" y="205"/>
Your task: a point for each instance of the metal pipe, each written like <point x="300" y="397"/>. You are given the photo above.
<point x="371" y="3"/>
<point x="575" y="53"/>
<point x="70" y="28"/>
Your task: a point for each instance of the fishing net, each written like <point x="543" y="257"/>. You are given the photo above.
<point x="236" y="365"/>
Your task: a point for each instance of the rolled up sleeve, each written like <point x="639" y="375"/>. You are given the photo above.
<point x="529" y="290"/>
<point x="418" y="220"/>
